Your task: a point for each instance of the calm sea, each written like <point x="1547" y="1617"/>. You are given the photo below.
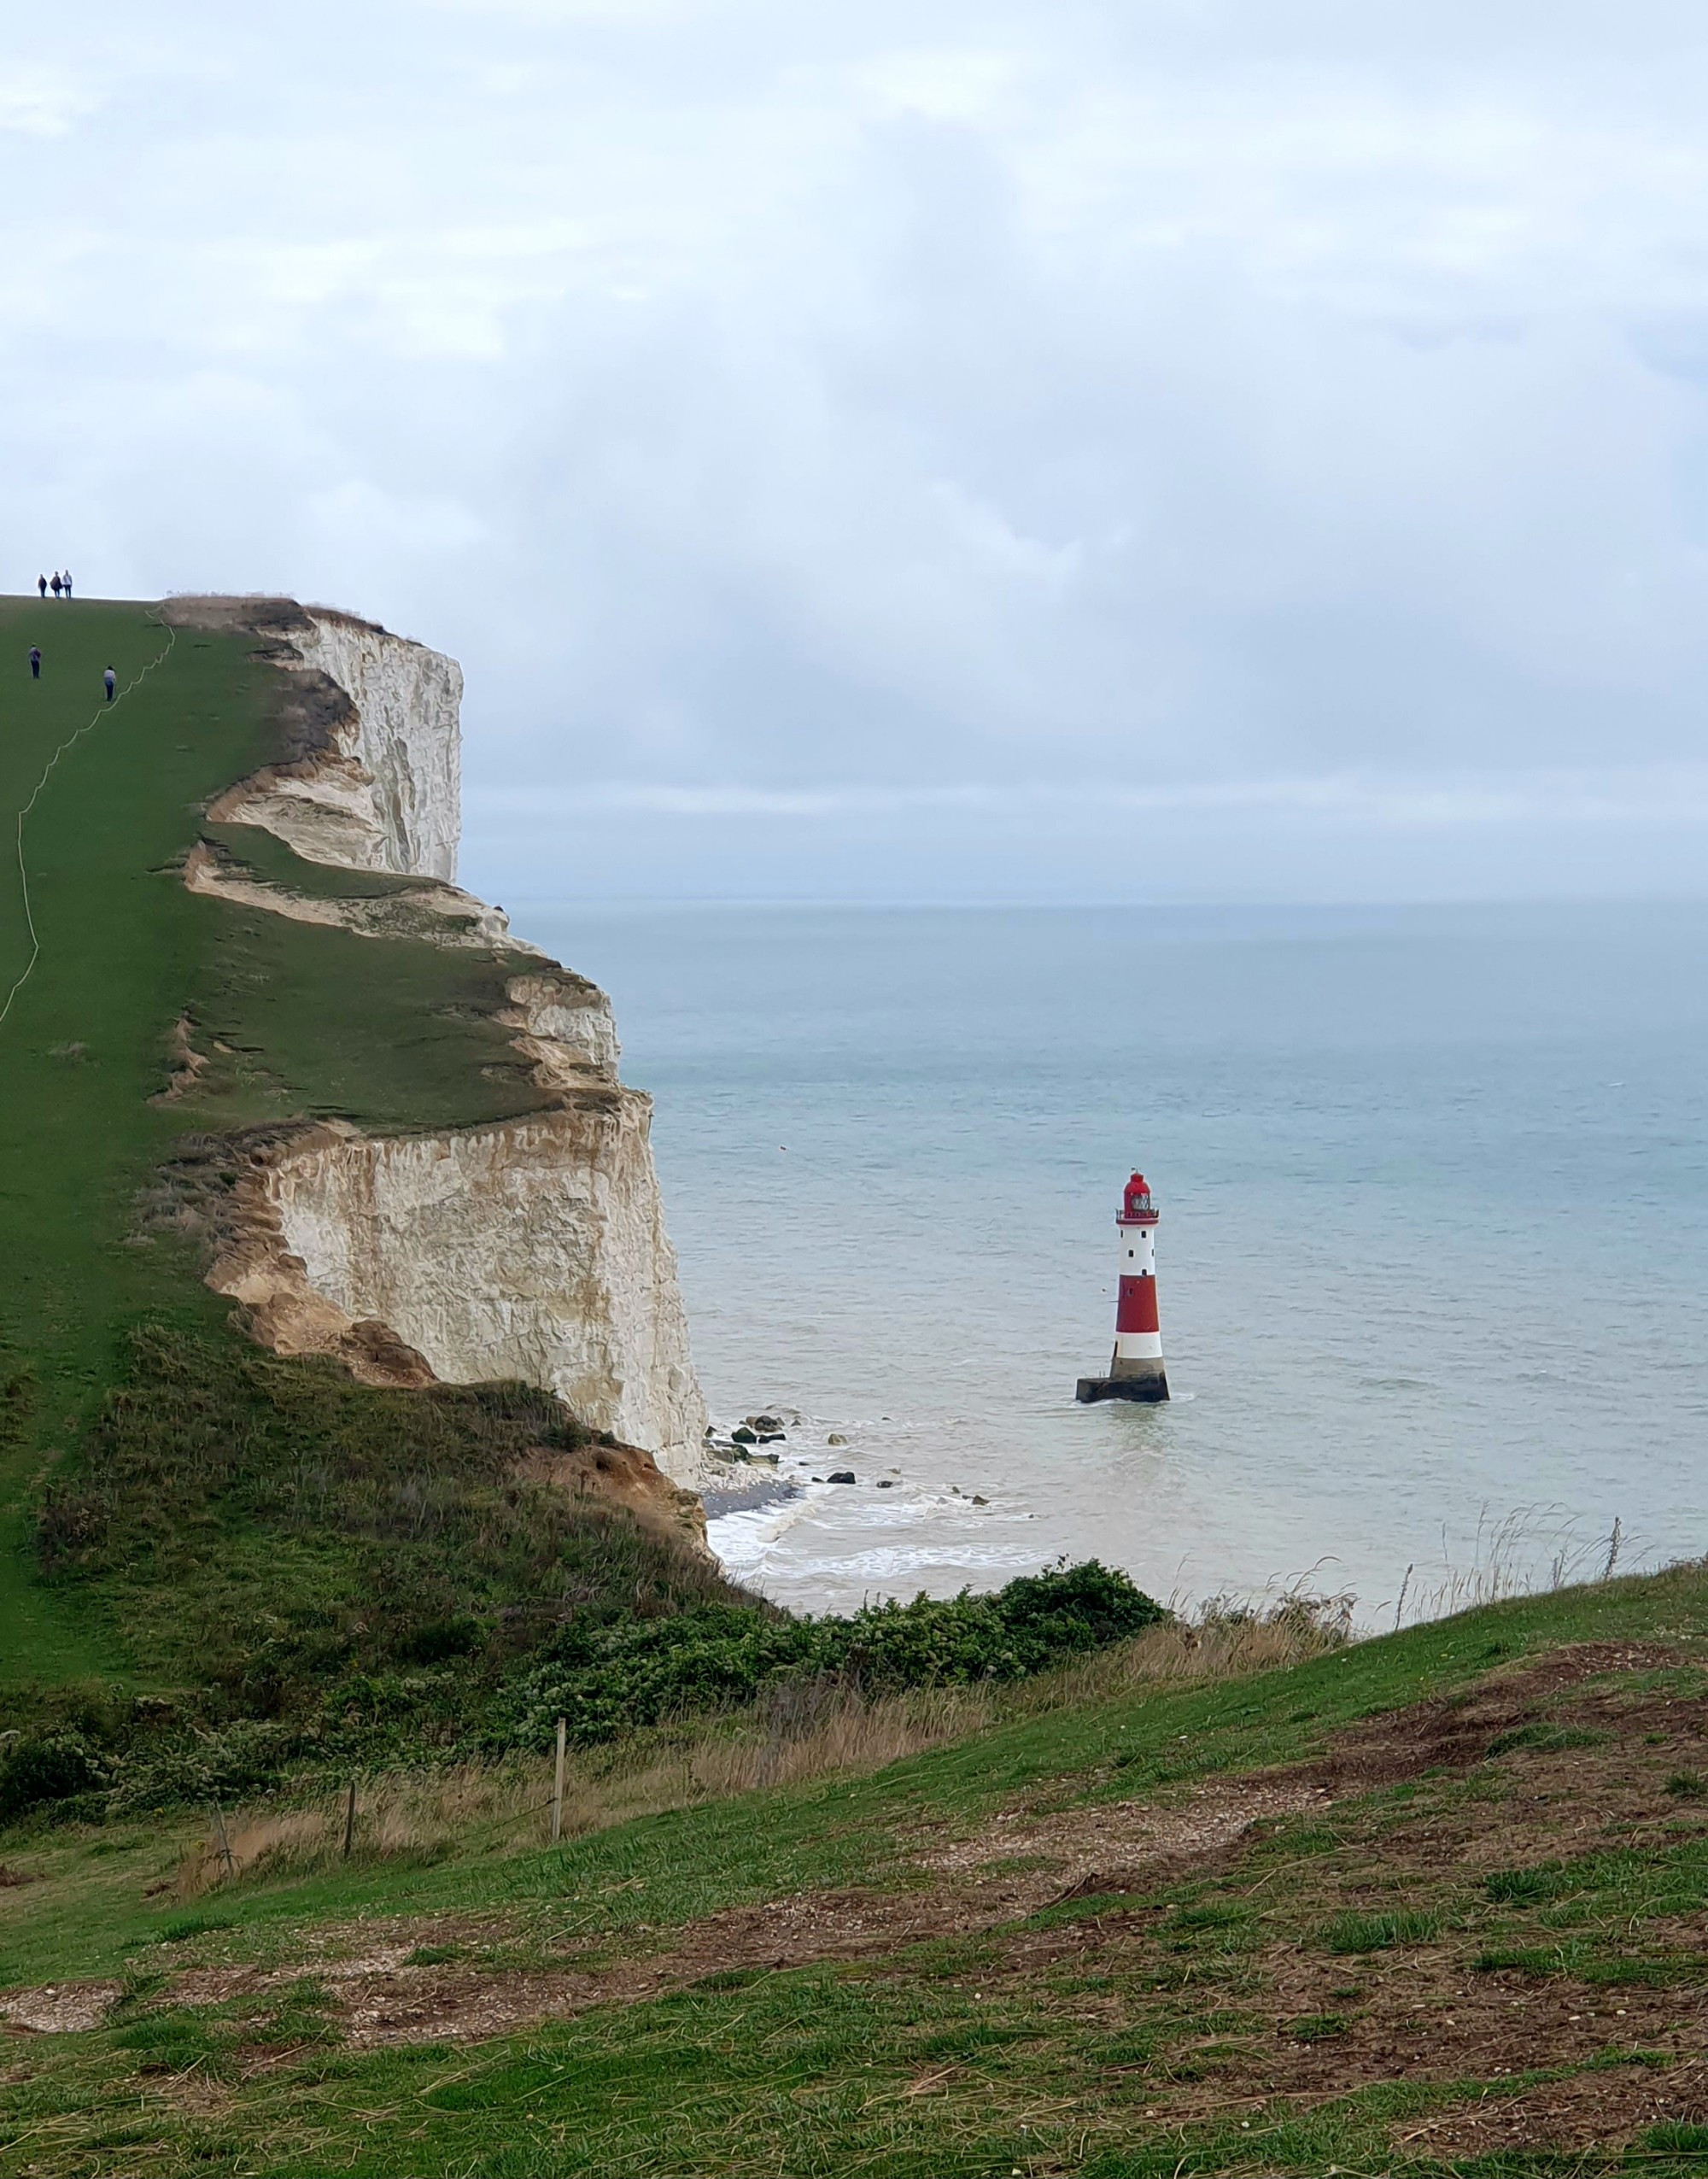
<point x="1433" y="1254"/>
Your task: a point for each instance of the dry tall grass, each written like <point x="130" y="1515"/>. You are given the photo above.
<point x="1527" y="1552"/>
<point x="797" y="1731"/>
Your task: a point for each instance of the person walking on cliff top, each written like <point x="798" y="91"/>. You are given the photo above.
<point x="35" y="661"/>
<point x="57" y="585"/>
<point x="109" y="681"/>
<point x="42" y="584"/>
<point x="65" y="579"/>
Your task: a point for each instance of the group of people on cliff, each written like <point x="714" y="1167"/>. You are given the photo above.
<point x="58" y="583"/>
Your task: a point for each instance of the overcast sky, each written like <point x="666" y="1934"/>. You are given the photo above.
<point x="1209" y="449"/>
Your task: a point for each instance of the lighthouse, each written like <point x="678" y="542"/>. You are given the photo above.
<point x="1136" y="1371"/>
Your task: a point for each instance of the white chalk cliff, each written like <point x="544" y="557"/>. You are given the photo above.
<point x="386" y="794"/>
<point x="530" y="1248"/>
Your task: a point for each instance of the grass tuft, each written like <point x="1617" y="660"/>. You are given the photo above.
<point x="1350" y="1933"/>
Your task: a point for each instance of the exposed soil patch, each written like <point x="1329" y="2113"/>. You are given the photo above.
<point x="1017" y="1863"/>
<point x="1124" y="1842"/>
<point x="1610" y="2106"/>
<point x="403" y="2004"/>
<point x="1319" y="2025"/>
<point x="1424" y="2016"/>
<point x="60" y="2008"/>
<point x="1451" y="1732"/>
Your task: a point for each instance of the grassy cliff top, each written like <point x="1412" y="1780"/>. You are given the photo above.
<point x="299" y="1020"/>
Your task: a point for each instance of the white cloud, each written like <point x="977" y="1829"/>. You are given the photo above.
<point x="43" y="102"/>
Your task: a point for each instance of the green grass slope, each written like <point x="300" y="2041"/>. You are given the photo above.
<point x="81" y="1050"/>
<point x="1429" y="1904"/>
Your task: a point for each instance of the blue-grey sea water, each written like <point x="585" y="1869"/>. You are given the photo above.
<point x="1434" y="1246"/>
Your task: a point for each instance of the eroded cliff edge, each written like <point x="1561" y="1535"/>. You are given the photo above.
<point x="532" y="1246"/>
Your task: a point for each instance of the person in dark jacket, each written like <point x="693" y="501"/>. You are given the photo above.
<point x="42" y="584"/>
<point x="35" y="662"/>
<point x="57" y="585"/>
<point x="109" y="681"/>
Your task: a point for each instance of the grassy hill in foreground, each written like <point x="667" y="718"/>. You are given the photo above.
<point x="1427" y="1905"/>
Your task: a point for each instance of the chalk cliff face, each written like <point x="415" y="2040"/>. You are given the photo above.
<point x="378" y="785"/>
<point x="534" y="1247"/>
<point x="407" y="738"/>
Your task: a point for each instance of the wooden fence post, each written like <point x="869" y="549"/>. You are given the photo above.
<point x="349" y="1822"/>
<point x="225" y="1842"/>
<point x="557" y="1786"/>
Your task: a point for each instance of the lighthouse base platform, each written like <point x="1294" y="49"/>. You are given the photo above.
<point x="1152" y="1387"/>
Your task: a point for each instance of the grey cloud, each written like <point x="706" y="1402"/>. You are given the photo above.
<point x="1002" y="400"/>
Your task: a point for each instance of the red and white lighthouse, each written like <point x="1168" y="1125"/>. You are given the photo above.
<point x="1136" y="1371"/>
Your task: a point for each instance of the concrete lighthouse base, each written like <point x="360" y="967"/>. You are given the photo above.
<point x="1149" y="1382"/>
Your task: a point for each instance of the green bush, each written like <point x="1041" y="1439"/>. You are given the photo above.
<point x="223" y="1765"/>
<point x="323" y="1574"/>
<point x="607" y="1679"/>
<point x="38" y="1770"/>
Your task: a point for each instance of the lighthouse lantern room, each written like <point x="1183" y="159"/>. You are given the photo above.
<point x="1136" y="1371"/>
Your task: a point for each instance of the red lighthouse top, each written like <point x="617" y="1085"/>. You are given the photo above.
<point x="1137" y="1208"/>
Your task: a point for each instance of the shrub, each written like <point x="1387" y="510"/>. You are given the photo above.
<point x="36" y="1772"/>
<point x="435" y="1640"/>
<point x="244" y="1758"/>
<point x="607" y="1679"/>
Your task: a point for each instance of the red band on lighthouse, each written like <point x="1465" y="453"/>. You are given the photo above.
<point x="1136" y="1310"/>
